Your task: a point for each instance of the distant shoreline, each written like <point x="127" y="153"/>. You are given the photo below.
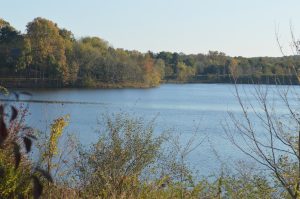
<point x="31" y="83"/>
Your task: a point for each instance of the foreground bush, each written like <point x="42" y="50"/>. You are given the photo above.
<point x="13" y="181"/>
<point x="113" y="165"/>
<point x="126" y="162"/>
<point x="19" y="177"/>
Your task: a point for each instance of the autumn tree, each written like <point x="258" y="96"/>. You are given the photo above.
<point x="3" y="23"/>
<point x="71" y="59"/>
<point x="148" y="68"/>
<point x="47" y="49"/>
<point x="233" y="67"/>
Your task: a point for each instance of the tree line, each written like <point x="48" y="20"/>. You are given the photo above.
<point x="46" y="51"/>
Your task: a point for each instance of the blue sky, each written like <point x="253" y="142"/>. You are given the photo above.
<point x="236" y="27"/>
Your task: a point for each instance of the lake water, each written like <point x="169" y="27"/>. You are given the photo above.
<point x="184" y="109"/>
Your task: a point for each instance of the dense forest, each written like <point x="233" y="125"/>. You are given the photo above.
<point x="49" y="56"/>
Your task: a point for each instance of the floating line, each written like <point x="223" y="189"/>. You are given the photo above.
<point x="51" y="101"/>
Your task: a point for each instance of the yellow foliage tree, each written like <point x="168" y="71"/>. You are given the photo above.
<point x="234" y="68"/>
<point x="57" y="128"/>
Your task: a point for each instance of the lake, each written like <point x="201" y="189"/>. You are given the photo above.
<point x="184" y="109"/>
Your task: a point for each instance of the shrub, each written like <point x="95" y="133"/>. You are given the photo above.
<point x="113" y="165"/>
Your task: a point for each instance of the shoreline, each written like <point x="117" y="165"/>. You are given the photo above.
<point x="27" y="83"/>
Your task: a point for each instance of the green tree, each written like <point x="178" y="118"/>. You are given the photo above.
<point x="184" y="72"/>
<point x="90" y="53"/>
<point x="159" y="66"/>
<point x="14" y="49"/>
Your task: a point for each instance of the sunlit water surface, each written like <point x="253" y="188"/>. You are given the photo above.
<point x="199" y="110"/>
